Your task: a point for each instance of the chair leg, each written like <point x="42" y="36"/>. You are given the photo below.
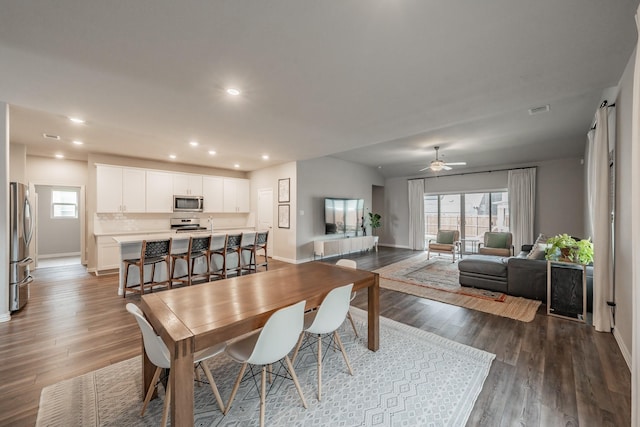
<point x="428" y="253"/>
<point x="295" y="352"/>
<point x="344" y="353"/>
<point x="152" y="386"/>
<point x="295" y="380"/>
<point x="214" y="387"/>
<point x="141" y="268"/>
<point x="319" y="367"/>
<point x="353" y="325"/>
<point x="263" y="392"/>
<point x="173" y="270"/>
<point x="235" y="387"/>
<point x="126" y="277"/>
<point x="167" y="402"/>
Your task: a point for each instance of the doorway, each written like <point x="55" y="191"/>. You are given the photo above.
<point x="58" y="232"/>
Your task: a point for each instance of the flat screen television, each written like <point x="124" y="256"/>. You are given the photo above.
<point x="343" y="216"/>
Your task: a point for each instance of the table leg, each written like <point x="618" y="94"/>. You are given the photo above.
<point x="182" y="386"/>
<point x="373" y="338"/>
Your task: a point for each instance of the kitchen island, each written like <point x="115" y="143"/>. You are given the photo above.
<point x="131" y="245"/>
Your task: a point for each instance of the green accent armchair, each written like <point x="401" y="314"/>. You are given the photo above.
<point x="496" y="243"/>
<point x="447" y="241"/>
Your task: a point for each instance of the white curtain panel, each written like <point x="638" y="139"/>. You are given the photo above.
<point x="416" y="214"/>
<point x="635" y="237"/>
<point x="601" y="226"/>
<point x="588" y="161"/>
<point x="522" y="205"/>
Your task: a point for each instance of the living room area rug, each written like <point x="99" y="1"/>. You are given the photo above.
<point x="438" y="279"/>
<point x="415" y="378"/>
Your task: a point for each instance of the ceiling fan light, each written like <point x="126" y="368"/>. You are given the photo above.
<point x="437" y="165"/>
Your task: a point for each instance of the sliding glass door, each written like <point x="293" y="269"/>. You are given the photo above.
<point x="472" y="214"/>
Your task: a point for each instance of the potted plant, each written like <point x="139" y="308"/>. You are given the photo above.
<point x="375" y="222"/>
<point x="565" y="248"/>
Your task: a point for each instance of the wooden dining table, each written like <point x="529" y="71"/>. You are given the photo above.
<point x="193" y="318"/>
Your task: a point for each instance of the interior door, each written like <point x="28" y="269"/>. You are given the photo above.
<point x="265" y="215"/>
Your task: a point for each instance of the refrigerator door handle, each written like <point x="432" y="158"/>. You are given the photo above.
<point x="27" y="223"/>
<point x="25" y="261"/>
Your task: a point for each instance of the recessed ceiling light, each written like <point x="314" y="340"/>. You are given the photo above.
<point x="172" y="156"/>
<point x="265" y="157"/>
<point x="77" y="120"/>
<point x="233" y="91"/>
<point x="236" y="165"/>
<point x="193" y="143"/>
<point x="59" y="156"/>
<point x="212" y="152"/>
<point x="78" y="142"/>
<point x="51" y="136"/>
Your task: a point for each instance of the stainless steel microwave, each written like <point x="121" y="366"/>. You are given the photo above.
<point x="188" y="203"/>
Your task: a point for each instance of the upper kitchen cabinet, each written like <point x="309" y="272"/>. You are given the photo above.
<point x="120" y="189"/>
<point x="213" y="193"/>
<point x="236" y="195"/>
<point x="187" y="184"/>
<point x="159" y="191"/>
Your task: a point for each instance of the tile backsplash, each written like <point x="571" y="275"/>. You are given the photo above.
<point x="128" y="222"/>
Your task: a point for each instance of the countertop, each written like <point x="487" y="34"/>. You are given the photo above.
<point x="170" y="232"/>
<point x="145" y="235"/>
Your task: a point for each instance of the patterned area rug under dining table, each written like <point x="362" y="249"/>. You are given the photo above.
<point x="415" y="378"/>
<point x="438" y="279"/>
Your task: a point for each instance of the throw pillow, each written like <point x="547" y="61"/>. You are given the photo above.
<point x="538" y="251"/>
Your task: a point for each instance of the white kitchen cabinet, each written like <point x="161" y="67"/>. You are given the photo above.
<point x="236" y="195"/>
<point x="185" y="184"/>
<point x="159" y="197"/>
<point x="108" y="253"/>
<point x="120" y="189"/>
<point x="213" y="193"/>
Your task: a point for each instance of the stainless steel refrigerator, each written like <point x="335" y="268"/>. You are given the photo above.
<point x="21" y="230"/>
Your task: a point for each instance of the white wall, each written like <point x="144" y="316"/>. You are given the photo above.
<point x="623" y="267"/>
<point x="282" y="239"/>
<point x="18" y="163"/>
<point x="328" y="177"/>
<point x="4" y="213"/>
<point x="559" y="197"/>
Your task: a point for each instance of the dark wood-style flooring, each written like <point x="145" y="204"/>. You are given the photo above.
<point x="549" y="372"/>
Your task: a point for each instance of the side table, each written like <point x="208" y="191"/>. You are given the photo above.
<point x="567" y="290"/>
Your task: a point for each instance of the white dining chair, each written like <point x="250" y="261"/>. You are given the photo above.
<point x="349" y="263"/>
<point x="267" y="346"/>
<point x="159" y="355"/>
<point x="325" y="321"/>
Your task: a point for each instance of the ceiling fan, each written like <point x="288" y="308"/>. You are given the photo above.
<point x="438" y="165"/>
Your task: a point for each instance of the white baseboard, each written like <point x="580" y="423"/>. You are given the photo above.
<point x="66" y="254"/>
<point x="623" y="348"/>
<point x="5" y="317"/>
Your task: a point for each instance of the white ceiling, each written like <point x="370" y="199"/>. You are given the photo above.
<point x="379" y="82"/>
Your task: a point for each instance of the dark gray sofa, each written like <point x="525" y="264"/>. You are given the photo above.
<point x="516" y="276"/>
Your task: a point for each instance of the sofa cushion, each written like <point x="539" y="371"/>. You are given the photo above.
<point x="484" y="265"/>
<point x="441" y="247"/>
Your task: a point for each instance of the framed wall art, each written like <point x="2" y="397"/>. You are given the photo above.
<point x="283" y="190"/>
<point x="283" y="216"/>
